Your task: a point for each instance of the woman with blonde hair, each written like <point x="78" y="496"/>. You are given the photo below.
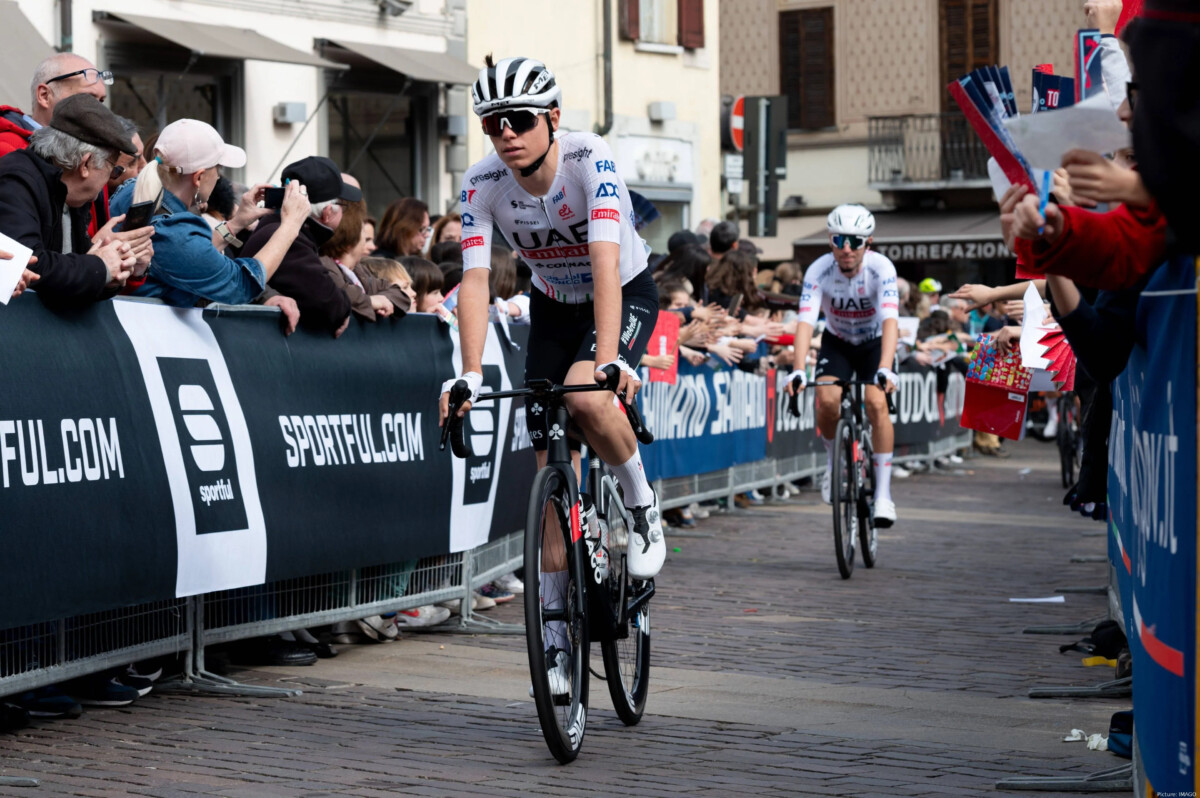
<point x="188" y="265"/>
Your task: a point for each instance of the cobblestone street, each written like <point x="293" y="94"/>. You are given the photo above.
<point x="773" y="676"/>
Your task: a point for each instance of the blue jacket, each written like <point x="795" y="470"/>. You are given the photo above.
<point x="187" y="267"/>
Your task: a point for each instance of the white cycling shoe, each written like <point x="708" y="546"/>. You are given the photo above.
<point x="885" y="513"/>
<point x="647" y="549"/>
<point x="826" y="488"/>
<point x="557" y="675"/>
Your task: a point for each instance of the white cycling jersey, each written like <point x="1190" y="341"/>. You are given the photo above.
<point x="854" y="308"/>
<point x="587" y="202"/>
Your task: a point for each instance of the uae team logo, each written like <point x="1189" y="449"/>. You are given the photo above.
<point x="209" y="459"/>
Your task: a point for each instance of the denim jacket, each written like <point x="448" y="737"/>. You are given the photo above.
<point x="187" y="267"/>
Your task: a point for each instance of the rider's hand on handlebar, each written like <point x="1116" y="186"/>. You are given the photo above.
<point x="474" y="381"/>
<point x="796" y="381"/>
<point x="628" y="384"/>
<point x="887" y="380"/>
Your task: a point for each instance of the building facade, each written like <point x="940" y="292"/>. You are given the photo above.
<point x="661" y="112"/>
<point x="366" y="82"/>
<point x="870" y="119"/>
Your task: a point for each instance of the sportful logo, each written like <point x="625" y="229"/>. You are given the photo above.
<point x="607" y="190"/>
<point x="566" y="212"/>
<point x="578" y="155"/>
<point x="605" y="166"/>
<point x="607" y="213"/>
<point x="495" y="174"/>
<point x="203" y="430"/>
<point x="483" y="426"/>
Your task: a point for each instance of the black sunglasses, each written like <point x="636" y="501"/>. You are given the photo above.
<point x="519" y="121"/>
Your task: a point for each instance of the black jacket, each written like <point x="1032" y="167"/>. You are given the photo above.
<point x="302" y="276"/>
<point x="32" y="196"/>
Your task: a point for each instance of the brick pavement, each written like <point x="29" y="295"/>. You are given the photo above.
<point x="773" y="677"/>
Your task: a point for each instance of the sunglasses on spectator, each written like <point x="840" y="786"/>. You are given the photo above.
<point x="116" y="172"/>
<point x="1131" y="92"/>
<point x="90" y="75"/>
<point x="855" y="242"/>
<point x="519" y="121"/>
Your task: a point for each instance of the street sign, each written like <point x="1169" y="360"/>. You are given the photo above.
<point x="734" y="164"/>
<point x="737" y="123"/>
<point x="765" y="160"/>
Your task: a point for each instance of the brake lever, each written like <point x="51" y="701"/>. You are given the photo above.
<point x="452" y="429"/>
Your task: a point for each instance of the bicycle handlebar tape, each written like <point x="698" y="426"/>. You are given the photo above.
<point x="612" y="377"/>
<point x="459" y="394"/>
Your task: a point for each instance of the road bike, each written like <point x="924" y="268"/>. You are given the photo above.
<point x="583" y="534"/>
<point x="1070" y="443"/>
<point x="852" y="480"/>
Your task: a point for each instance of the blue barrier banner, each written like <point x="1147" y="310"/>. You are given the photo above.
<point x="1152" y="490"/>
<point x="707" y="420"/>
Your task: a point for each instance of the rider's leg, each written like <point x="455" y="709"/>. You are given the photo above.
<point x="554" y="569"/>
<point x="828" y="409"/>
<point x="609" y="435"/>
<point x="883" y="440"/>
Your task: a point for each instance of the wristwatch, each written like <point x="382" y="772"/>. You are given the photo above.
<point x="227" y="234"/>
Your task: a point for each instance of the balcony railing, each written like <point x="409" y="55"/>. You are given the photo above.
<point x="925" y="151"/>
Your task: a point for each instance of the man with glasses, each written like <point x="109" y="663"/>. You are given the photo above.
<point x="856" y="290"/>
<point x="56" y="78"/>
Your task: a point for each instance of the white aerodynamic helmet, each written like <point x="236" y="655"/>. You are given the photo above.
<point x="853" y="220"/>
<point x="515" y="83"/>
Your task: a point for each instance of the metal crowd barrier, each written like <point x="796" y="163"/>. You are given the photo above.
<point x="53" y="651"/>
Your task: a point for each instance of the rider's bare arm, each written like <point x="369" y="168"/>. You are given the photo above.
<point x="606" y="275"/>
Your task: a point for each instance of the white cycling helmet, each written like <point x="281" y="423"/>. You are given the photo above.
<point x="515" y="83"/>
<point x="853" y="220"/>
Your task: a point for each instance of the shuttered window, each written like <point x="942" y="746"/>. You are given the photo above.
<point x="969" y="39"/>
<point x="691" y="23"/>
<point x="806" y="67"/>
<point x="630" y="20"/>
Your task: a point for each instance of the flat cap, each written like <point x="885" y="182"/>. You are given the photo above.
<point x="87" y="119"/>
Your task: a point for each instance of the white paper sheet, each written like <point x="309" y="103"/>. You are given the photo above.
<point x="11" y="270"/>
<point x="1090" y="125"/>
<point x="1032" y="351"/>
<point x="1046" y="600"/>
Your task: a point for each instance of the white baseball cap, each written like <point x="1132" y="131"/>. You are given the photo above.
<point x="189" y="145"/>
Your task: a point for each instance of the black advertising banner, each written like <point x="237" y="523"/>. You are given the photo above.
<point x="85" y="509"/>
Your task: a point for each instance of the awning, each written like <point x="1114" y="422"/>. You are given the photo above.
<point x="418" y="64"/>
<point x="223" y="41"/>
<point x="787" y="229"/>
<point x="24" y="48"/>
<point x="923" y="236"/>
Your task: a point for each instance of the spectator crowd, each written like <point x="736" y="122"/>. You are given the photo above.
<point x="107" y="212"/>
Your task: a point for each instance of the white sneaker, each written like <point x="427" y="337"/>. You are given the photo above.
<point x="955" y="459"/>
<point x="900" y="472"/>
<point x="427" y="615"/>
<point x="510" y="583"/>
<point x="826" y="488"/>
<point x="698" y="512"/>
<point x="885" y="513"/>
<point x="477" y="603"/>
<point x="1051" y="428"/>
<point x="557" y="674"/>
<point x="647" y="548"/>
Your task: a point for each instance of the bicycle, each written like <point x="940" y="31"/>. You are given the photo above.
<point x="599" y="600"/>
<point x="1070" y="444"/>
<point x="852" y="481"/>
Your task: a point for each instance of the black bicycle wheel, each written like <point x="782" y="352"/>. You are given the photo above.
<point x="563" y="717"/>
<point x="841" y="488"/>
<point x="868" y="538"/>
<point x="626" y="658"/>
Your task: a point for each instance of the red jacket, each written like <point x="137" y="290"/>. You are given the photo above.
<point x="1111" y="251"/>
<point x="13" y="134"/>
